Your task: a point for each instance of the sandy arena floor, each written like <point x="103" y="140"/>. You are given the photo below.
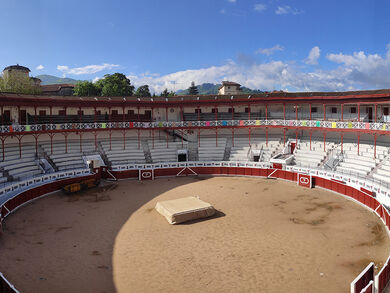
<point x="269" y="236"/>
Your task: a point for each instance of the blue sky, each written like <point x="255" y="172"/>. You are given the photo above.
<point x="300" y="45"/>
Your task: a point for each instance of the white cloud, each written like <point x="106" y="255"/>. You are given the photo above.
<point x="96" y="79"/>
<point x="269" y="51"/>
<point x="287" y="10"/>
<point x="314" y="54"/>
<point x="40" y="67"/>
<point x="222" y="11"/>
<point x="260" y="7"/>
<point x="232" y="1"/>
<point x="89" y="69"/>
<point x="355" y="71"/>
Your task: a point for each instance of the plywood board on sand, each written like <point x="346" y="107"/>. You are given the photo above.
<point x="184" y="209"/>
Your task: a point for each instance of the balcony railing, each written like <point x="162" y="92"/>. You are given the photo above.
<point x="197" y="124"/>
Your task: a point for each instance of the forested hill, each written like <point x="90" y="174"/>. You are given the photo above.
<point x="51" y="79"/>
<point x="212" y="89"/>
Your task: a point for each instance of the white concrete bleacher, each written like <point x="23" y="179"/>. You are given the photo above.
<point x="363" y="162"/>
<point x="383" y="172"/>
<point x="163" y="152"/>
<point x="123" y="153"/>
<point x="240" y="150"/>
<point x="312" y="158"/>
<point x="19" y="167"/>
<point x="267" y="149"/>
<point x="70" y="156"/>
<point x="383" y="169"/>
<point x="208" y="150"/>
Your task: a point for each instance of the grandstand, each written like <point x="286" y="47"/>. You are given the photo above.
<point x="344" y="134"/>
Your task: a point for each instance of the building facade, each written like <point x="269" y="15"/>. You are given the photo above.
<point x="229" y="88"/>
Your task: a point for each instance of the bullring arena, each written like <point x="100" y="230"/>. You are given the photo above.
<point x="299" y="182"/>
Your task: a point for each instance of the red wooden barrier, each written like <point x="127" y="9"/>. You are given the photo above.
<point x="5" y="286"/>
<point x="369" y="288"/>
<point x="383" y="277"/>
<point x="364" y="278"/>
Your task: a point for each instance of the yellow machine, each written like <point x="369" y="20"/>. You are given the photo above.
<point x="80" y="186"/>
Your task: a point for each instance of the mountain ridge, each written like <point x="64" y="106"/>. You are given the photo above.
<point x="212" y="89"/>
<point x="51" y="79"/>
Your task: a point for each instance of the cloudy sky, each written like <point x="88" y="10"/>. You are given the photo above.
<point x="301" y="45"/>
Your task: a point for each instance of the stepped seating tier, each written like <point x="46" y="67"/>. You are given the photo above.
<point x="124" y="152"/>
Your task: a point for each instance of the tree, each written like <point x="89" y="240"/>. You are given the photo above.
<point x="86" y="88"/>
<point x="143" y="91"/>
<point x="193" y="89"/>
<point x="19" y="84"/>
<point x="115" y="85"/>
<point x="166" y="93"/>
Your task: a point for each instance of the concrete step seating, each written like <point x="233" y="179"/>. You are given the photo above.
<point x="383" y="172"/>
<point x="26" y="174"/>
<point x="359" y="163"/>
<point x="208" y="151"/>
<point x="65" y="157"/>
<point x="348" y="170"/>
<point x="118" y="156"/>
<point x="354" y="166"/>
<point x="70" y="147"/>
<point x="382" y="177"/>
<point x="303" y="156"/>
<point x="72" y="166"/>
<point x="22" y="172"/>
<point x="363" y="157"/>
<point x="22" y="168"/>
<point x="67" y="161"/>
<point x="15" y="161"/>
<point x="12" y="152"/>
<point x="161" y="153"/>
<point x="239" y="152"/>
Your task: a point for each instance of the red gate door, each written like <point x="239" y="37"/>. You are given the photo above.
<point x="147" y="174"/>
<point x="304" y="180"/>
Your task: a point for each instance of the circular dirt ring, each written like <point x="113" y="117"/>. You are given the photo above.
<point x="268" y="236"/>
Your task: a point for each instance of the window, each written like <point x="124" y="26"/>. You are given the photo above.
<point x="42" y="112"/>
<point x="62" y="112"/>
<point x="7" y="115"/>
<point x="353" y="110"/>
<point x="334" y="110"/>
<point x="148" y="113"/>
<point x="114" y="112"/>
<point x="314" y="109"/>
<point x="198" y="111"/>
<point x="80" y="112"/>
<point x="231" y="110"/>
<point x="386" y="111"/>
<point x="228" y="87"/>
<point x="214" y="110"/>
<point x="130" y="112"/>
<point x="246" y="110"/>
<point x="98" y="112"/>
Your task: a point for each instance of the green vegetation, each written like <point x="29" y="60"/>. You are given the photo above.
<point x="19" y="85"/>
<point x="86" y="88"/>
<point x="193" y="90"/>
<point x="112" y="85"/>
<point x="143" y="91"/>
<point x="115" y="85"/>
<point x="166" y="93"/>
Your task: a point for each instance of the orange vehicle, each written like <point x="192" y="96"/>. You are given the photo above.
<point x="80" y="186"/>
